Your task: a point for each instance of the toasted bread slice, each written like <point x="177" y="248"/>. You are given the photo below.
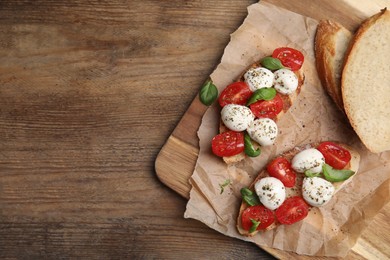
<point x="331" y="43"/>
<point x="297" y="189"/>
<point x="366" y="82"/>
<point x="288" y="101"/>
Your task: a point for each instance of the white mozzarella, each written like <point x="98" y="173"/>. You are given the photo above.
<point x="236" y="117"/>
<point x="263" y="131"/>
<point x="258" y="78"/>
<point x="271" y="192"/>
<point x="309" y="159"/>
<point x="285" y="82"/>
<point x="317" y="191"/>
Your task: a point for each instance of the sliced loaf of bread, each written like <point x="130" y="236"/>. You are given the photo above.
<point x="366" y="82"/>
<point x="331" y="44"/>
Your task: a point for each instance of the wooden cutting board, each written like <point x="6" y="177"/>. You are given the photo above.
<point x="176" y="160"/>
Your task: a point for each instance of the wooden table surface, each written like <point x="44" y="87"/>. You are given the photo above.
<point x="89" y="93"/>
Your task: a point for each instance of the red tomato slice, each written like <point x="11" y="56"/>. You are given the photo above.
<point x="258" y="213"/>
<point x="289" y="57"/>
<point x="292" y="210"/>
<point x="228" y="143"/>
<point x="267" y="108"/>
<point x="335" y="155"/>
<point x="235" y="93"/>
<point x="281" y="169"/>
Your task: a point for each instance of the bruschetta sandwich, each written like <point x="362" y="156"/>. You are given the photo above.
<point x="251" y="106"/>
<point x="293" y="182"/>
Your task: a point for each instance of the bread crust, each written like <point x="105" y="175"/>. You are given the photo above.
<point x="288" y="101"/>
<point x="364" y="26"/>
<point x="297" y="189"/>
<point x="331" y="42"/>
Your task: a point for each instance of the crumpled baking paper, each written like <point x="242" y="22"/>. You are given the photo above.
<point x="331" y="230"/>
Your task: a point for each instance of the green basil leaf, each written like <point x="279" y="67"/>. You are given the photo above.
<point x="310" y="174"/>
<point x="249" y="149"/>
<point x="254" y="226"/>
<point x="262" y="94"/>
<point x="223" y="185"/>
<point x="249" y="197"/>
<point x="246" y="192"/>
<point x="208" y="93"/>
<point x="271" y="63"/>
<point x="268" y="93"/>
<point x="334" y="175"/>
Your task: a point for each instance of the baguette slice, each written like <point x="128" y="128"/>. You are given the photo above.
<point x="331" y="43"/>
<point x="288" y="101"/>
<point x="366" y="82"/>
<point x="297" y="189"/>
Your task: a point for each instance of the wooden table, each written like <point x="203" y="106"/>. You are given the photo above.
<point x="89" y="93"/>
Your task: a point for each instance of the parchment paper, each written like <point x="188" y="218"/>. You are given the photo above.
<point x="328" y="231"/>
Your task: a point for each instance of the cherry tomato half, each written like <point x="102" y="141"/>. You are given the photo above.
<point x="292" y="210"/>
<point x="335" y="155"/>
<point x="289" y="57"/>
<point x="281" y="169"/>
<point x="267" y="108"/>
<point x="235" y="93"/>
<point x="228" y="143"/>
<point x="258" y="213"/>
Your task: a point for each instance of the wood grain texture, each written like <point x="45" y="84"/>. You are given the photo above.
<point x="89" y="93"/>
<point x="182" y="145"/>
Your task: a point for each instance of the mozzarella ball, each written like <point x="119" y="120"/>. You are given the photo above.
<point x="271" y="192"/>
<point x="285" y="82"/>
<point x="309" y="159"/>
<point x="263" y="131"/>
<point x="258" y="78"/>
<point x="236" y="117"/>
<point x="317" y="191"/>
